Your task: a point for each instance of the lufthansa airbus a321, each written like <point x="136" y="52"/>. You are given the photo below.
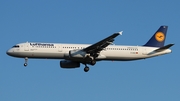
<point x="72" y="55"/>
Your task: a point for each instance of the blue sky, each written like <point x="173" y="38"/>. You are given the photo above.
<point x="154" y="79"/>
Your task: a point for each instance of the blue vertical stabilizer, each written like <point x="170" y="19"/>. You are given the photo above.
<point x="158" y="39"/>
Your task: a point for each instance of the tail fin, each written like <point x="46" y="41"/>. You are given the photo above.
<point x="158" y="39"/>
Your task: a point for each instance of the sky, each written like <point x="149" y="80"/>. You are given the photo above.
<point x="86" y="21"/>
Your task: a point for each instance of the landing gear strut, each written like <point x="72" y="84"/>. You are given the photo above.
<point x="93" y="62"/>
<point x="86" y="68"/>
<point x="26" y="59"/>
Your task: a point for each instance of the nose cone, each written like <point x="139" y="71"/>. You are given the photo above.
<point x="9" y="52"/>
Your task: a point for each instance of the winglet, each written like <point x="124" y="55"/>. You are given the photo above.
<point x="120" y="33"/>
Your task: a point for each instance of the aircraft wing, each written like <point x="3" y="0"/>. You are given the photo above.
<point x="99" y="46"/>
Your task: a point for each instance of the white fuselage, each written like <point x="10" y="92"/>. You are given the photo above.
<point x="61" y="51"/>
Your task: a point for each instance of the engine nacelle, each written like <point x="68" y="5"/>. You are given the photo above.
<point x="69" y="64"/>
<point x="77" y="54"/>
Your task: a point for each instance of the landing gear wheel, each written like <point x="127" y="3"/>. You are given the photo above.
<point x="93" y="62"/>
<point x="86" y="69"/>
<point x="25" y="64"/>
<point x="26" y="59"/>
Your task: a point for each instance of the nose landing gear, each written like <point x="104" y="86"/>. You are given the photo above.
<point x="26" y="60"/>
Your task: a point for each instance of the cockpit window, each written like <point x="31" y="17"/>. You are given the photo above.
<point x="15" y="46"/>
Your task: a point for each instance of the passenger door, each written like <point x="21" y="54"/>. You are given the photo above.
<point x="26" y="46"/>
<point x="60" y="48"/>
<point x="144" y="51"/>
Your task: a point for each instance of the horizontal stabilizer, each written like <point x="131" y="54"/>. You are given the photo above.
<point x="163" y="48"/>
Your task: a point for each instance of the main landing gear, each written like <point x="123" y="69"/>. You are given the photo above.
<point x="86" y="68"/>
<point x="93" y="62"/>
<point x="26" y="59"/>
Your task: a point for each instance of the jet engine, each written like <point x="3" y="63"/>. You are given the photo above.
<point x="69" y="64"/>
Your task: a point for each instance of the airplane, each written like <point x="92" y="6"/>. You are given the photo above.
<point x="72" y="55"/>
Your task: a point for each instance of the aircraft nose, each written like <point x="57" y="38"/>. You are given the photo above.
<point x="9" y="52"/>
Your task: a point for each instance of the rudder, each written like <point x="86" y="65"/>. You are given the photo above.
<point x="158" y="39"/>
